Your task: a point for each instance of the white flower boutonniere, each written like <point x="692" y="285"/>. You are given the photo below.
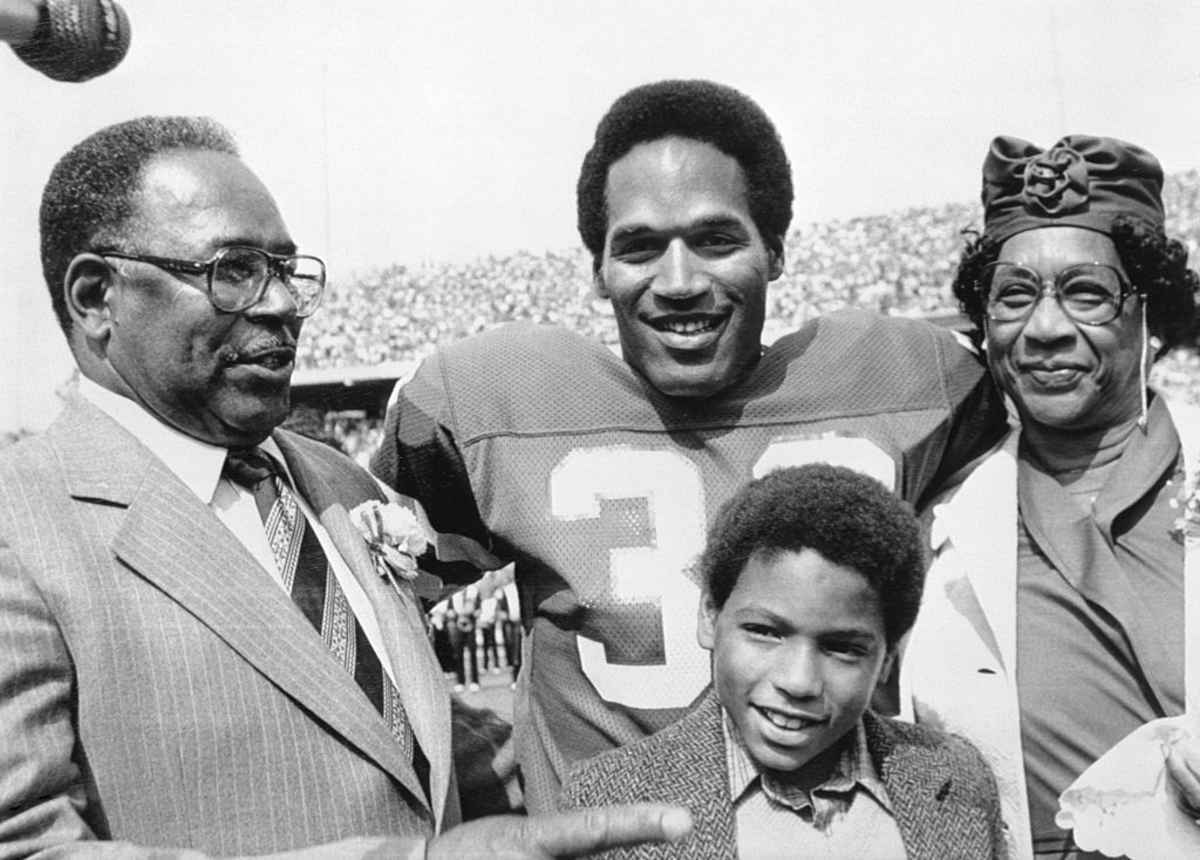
<point x="394" y="535"/>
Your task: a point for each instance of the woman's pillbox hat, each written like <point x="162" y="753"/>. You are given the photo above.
<point x="1081" y="181"/>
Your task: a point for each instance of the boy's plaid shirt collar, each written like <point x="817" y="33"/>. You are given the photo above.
<point x="854" y="771"/>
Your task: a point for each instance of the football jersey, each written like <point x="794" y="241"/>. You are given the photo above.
<point x="554" y="452"/>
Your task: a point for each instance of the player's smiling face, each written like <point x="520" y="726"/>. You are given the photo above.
<point x="685" y="266"/>
<point x="797" y="650"/>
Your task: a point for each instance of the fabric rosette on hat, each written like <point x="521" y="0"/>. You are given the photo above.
<point x="1081" y="181"/>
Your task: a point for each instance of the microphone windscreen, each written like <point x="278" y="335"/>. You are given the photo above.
<point x="76" y="40"/>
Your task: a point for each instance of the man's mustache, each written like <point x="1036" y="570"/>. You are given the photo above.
<point x="255" y="349"/>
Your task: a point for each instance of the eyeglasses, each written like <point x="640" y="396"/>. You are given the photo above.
<point x="238" y="276"/>
<point x="1089" y="294"/>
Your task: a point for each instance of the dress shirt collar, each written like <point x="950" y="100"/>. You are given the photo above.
<point x="854" y="770"/>
<point x="197" y="464"/>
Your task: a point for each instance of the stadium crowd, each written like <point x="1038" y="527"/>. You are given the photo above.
<point x="899" y="263"/>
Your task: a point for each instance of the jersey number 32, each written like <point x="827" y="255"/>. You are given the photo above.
<point x="671" y="486"/>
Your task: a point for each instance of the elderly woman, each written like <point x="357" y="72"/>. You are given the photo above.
<point x="1052" y="624"/>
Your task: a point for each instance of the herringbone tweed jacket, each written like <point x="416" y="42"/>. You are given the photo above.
<point x="943" y="795"/>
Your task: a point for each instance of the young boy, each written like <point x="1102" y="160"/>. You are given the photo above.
<point x="811" y="576"/>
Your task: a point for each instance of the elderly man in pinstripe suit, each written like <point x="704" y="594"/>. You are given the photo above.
<point x="198" y="654"/>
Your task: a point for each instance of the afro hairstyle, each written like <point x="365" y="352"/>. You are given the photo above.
<point x="699" y="110"/>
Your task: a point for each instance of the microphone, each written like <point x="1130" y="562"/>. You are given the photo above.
<point x="67" y="40"/>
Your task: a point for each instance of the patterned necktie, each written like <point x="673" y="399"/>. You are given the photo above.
<point x="310" y="580"/>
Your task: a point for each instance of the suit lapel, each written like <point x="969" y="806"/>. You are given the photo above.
<point x="418" y="678"/>
<point x="1078" y="550"/>
<point x="1187" y="424"/>
<point x="694" y="762"/>
<point x="172" y="539"/>
<point x="919" y="784"/>
<point x="981" y="523"/>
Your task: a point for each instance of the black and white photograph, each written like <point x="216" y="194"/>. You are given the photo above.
<point x="565" y="429"/>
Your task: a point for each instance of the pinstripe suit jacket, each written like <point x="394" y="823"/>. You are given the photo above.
<point x="942" y="794"/>
<point x="158" y="688"/>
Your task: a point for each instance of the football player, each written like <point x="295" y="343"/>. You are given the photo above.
<point x="597" y="475"/>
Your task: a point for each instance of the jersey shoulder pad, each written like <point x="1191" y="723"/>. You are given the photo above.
<point x="519" y="339"/>
<point x="860" y="357"/>
<point x="533" y="379"/>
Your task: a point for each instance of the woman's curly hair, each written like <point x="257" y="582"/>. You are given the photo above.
<point x="1156" y="265"/>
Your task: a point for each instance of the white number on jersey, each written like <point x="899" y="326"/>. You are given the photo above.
<point x="853" y="452"/>
<point x="672" y="487"/>
<point x="673" y="490"/>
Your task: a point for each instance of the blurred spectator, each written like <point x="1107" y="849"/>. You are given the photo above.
<point x="486" y="623"/>
<point x="440" y="619"/>
<point x="311" y="422"/>
<point x="464" y="606"/>
<point x="508" y="620"/>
